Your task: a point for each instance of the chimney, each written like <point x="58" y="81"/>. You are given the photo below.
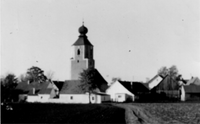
<point x="33" y="90"/>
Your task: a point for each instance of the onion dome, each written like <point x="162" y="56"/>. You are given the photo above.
<point x="83" y="30"/>
<point x="82" y="40"/>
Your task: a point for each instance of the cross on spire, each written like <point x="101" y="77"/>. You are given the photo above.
<point x="83" y="21"/>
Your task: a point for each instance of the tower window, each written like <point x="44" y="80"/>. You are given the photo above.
<point x="91" y="52"/>
<point x="77" y="61"/>
<point x="78" y="52"/>
<point x="71" y="97"/>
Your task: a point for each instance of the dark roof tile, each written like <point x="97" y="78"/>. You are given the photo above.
<point x="59" y="84"/>
<point x="45" y="91"/>
<point x="82" y="40"/>
<point x="135" y="87"/>
<point x="71" y="87"/>
<point x="167" y="83"/>
<point x="192" y="88"/>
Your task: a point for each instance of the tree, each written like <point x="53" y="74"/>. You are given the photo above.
<point x="49" y="75"/>
<point x="8" y="85"/>
<point x="174" y="77"/>
<point x="173" y="72"/>
<point x="22" y="78"/>
<point x="163" y="71"/>
<point x="35" y="74"/>
<point x="88" y="78"/>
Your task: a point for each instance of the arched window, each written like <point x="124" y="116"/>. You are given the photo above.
<point x="78" y="52"/>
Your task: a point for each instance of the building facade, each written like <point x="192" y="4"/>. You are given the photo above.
<point x="83" y="54"/>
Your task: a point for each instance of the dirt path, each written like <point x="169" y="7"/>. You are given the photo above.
<point x="137" y="115"/>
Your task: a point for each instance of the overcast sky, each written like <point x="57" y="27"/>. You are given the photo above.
<point x="132" y="38"/>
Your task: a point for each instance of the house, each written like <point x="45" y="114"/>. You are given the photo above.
<point x="122" y="97"/>
<point x="139" y="89"/>
<point x="102" y="97"/>
<point x="122" y="91"/>
<point x="37" y="92"/>
<point x="72" y="93"/>
<point x="59" y="84"/>
<point x="119" y="92"/>
<point x="167" y="84"/>
<point x="190" y="92"/>
<point x="32" y="96"/>
<point x="154" y="81"/>
<point x="194" y="80"/>
<point x="167" y="89"/>
<point x="45" y="94"/>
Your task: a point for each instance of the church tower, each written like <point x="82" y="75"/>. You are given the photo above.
<point x="83" y="54"/>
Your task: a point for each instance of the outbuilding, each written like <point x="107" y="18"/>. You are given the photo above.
<point x="119" y="92"/>
<point x="190" y="92"/>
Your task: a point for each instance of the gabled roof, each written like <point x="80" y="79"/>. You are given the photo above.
<point x="71" y="87"/>
<point x="192" y="88"/>
<point x="194" y="80"/>
<point x="156" y="76"/>
<point x="100" y="93"/>
<point x="146" y="85"/>
<point x="135" y="87"/>
<point x="30" y="92"/>
<point x="101" y="82"/>
<point x="154" y="81"/>
<point x="82" y="40"/>
<point x="45" y="91"/>
<point x="167" y="83"/>
<point x="59" y="84"/>
<point x="25" y="87"/>
<point x="117" y="87"/>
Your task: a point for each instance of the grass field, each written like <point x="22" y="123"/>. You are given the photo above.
<point x="142" y="113"/>
<point x="63" y="113"/>
<point x="174" y="113"/>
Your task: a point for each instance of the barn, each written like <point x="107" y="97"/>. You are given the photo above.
<point x="191" y="90"/>
<point x="121" y="91"/>
<point x="37" y="92"/>
<point x="167" y="89"/>
<point x="118" y="92"/>
<point x="154" y="81"/>
<point x="190" y="93"/>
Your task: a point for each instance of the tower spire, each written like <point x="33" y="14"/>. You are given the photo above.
<point x="83" y="21"/>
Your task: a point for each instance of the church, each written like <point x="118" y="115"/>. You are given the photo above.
<point x="83" y="54"/>
<point x="69" y="91"/>
<point x="82" y="60"/>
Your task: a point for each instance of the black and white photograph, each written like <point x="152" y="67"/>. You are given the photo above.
<point x="100" y="61"/>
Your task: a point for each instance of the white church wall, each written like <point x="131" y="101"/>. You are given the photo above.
<point x="32" y="98"/>
<point x="74" y="98"/>
<point x="43" y="97"/>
